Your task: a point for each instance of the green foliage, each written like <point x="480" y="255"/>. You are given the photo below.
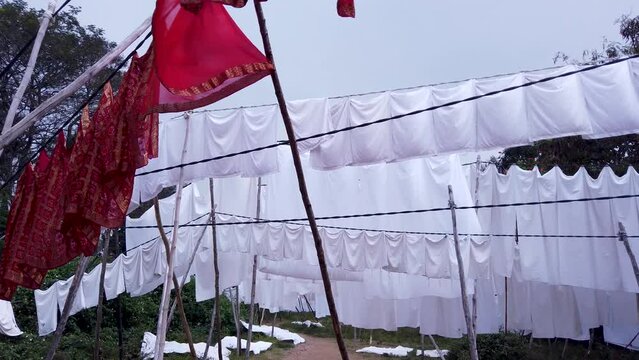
<point x="502" y="346"/>
<point x="67" y="51"/>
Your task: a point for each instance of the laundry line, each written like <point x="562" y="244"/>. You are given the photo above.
<point x="296" y="222"/>
<point x="391" y="118"/>
<point x="405" y="88"/>
<point x="417" y="211"/>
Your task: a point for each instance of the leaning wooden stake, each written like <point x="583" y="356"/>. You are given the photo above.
<point x="462" y="280"/>
<point x="216" y="269"/>
<point x="98" y="321"/>
<point x="68" y="305"/>
<point x="249" y="337"/>
<point x="439" y="352"/>
<point x="209" y="338"/>
<point x="28" y="72"/>
<point x="623" y="237"/>
<point x="301" y="181"/>
<point x="188" y="269"/>
<point x="166" y="289"/>
<point x="176" y="285"/>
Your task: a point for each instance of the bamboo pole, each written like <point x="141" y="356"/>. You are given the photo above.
<point x="98" y="321"/>
<point x="216" y="269"/>
<point x="439" y="352"/>
<point x="273" y="325"/>
<point x="68" y="305"/>
<point x="44" y="108"/>
<point x="249" y="337"/>
<point x="235" y="307"/>
<point x="28" y="72"/>
<point x="209" y="338"/>
<point x="166" y="289"/>
<point x="623" y="237"/>
<point x="118" y="310"/>
<point x="462" y="279"/>
<point x="477" y="173"/>
<point x="188" y="269"/>
<point x="178" y="289"/>
<point x="301" y="181"/>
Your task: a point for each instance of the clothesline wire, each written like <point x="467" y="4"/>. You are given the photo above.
<point x="167" y="233"/>
<point x="395" y="117"/>
<point x="26" y="46"/>
<point x="421" y="211"/>
<point x="384" y="91"/>
<point x="72" y="119"/>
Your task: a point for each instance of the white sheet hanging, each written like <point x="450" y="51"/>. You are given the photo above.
<point x="47" y="309"/>
<point x="595" y="104"/>
<point x="596" y="263"/>
<point x="8" y="325"/>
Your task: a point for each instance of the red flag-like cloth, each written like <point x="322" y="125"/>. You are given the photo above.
<point x="200" y="56"/>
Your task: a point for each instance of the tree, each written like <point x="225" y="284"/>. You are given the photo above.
<point x="570" y="153"/>
<point x="67" y="51"/>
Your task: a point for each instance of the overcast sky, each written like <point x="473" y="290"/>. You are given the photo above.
<point x="396" y="43"/>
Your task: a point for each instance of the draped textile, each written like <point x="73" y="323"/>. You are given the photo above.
<point x="200" y="55"/>
<point x="346" y="8"/>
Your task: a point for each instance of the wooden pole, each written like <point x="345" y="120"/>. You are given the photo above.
<point x="209" y="338"/>
<point x="421" y="344"/>
<point x="98" y="321"/>
<point x="28" y="72"/>
<point x="44" y="108"/>
<point x="477" y="174"/>
<point x="166" y="289"/>
<point x="505" y="305"/>
<point x="273" y="325"/>
<point x="258" y="213"/>
<point x="623" y="237"/>
<point x="68" y="304"/>
<point x="216" y="269"/>
<point x="439" y="352"/>
<point x="301" y="181"/>
<point x="118" y="310"/>
<point x="176" y="285"/>
<point x="462" y="279"/>
<point x="235" y="307"/>
<point x="188" y="269"/>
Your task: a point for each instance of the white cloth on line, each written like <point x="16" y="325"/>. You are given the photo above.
<point x="8" y="325"/>
<point x="47" y="309"/>
<point x="597" y="263"/>
<point x="595" y="104"/>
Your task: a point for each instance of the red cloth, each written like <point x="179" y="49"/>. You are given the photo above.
<point x="346" y="8"/>
<point x="12" y="273"/>
<point x="202" y="56"/>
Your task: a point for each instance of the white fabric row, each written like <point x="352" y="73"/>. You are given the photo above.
<point x="8" y="325"/>
<point x="596" y="104"/>
<point x="414" y="184"/>
<point x="596" y="263"/>
<point x="52" y="300"/>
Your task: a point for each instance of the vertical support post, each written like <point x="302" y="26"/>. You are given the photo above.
<point x="178" y="289"/>
<point x="68" y="304"/>
<point x="301" y="181"/>
<point x="462" y="279"/>
<point x="216" y="270"/>
<point x="477" y="173"/>
<point x="118" y="310"/>
<point x="421" y="345"/>
<point x="166" y="289"/>
<point x="505" y="304"/>
<point x="98" y="321"/>
<point x="235" y="306"/>
<point x="273" y="325"/>
<point x="249" y="337"/>
<point x="209" y="338"/>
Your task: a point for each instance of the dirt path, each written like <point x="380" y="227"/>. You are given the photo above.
<point x="318" y="349"/>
